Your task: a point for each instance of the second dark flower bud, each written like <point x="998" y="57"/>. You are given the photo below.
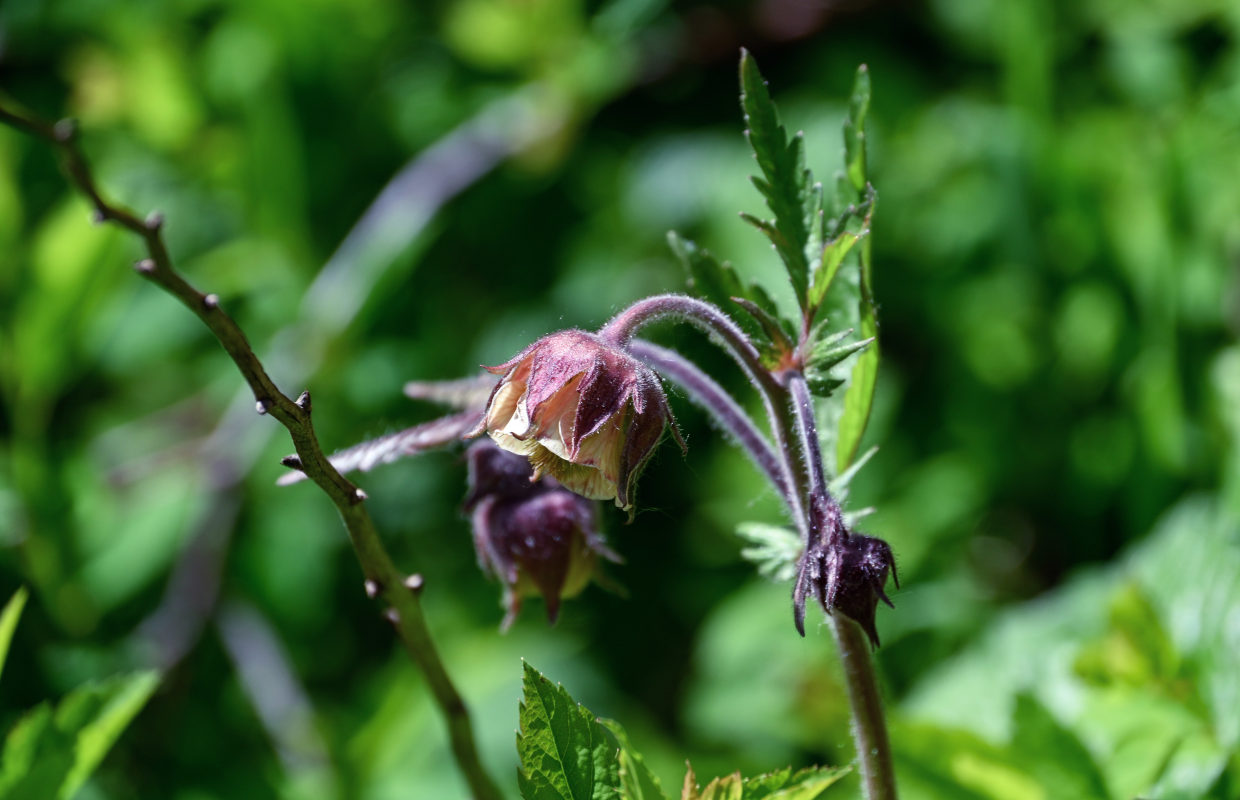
<point x="537" y="538"/>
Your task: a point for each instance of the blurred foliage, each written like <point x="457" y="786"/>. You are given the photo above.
<point x="1055" y="268"/>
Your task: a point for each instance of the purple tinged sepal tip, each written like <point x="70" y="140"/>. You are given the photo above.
<point x="847" y="574"/>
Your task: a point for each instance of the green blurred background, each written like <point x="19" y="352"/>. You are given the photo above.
<point x="1056" y="252"/>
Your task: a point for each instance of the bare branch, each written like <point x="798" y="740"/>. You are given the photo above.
<point x="405" y="608"/>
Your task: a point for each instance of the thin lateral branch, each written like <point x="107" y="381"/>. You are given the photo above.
<point x="377" y="566"/>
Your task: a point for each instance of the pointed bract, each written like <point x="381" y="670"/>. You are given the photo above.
<point x="846" y="574"/>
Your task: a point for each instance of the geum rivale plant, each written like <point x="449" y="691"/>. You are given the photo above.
<point x="575" y="416"/>
<point x="571" y="420"/>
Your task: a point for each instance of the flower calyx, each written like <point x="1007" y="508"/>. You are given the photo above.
<point x="845" y="572"/>
<point x="582" y="410"/>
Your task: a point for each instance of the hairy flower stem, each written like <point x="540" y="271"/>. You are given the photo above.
<point x="825" y="521"/>
<point x="622" y="327"/>
<point x="729" y="416"/>
<point x="869" y="726"/>
<point x="399" y="591"/>
<point x="790" y="408"/>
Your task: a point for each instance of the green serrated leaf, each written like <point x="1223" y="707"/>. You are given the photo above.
<point x="822" y="359"/>
<point x="822" y="385"/>
<point x="689" y="789"/>
<point x="565" y="753"/>
<point x="8" y="622"/>
<point x="859" y="398"/>
<point x="783" y="784"/>
<point x="772" y="548"/>
<point x="854" y="130"/>
<point x="765" y="302"/>
<point x="49" y="754"/>
<point x="832" y="257"/>
<point x="760" y="787"/>
<point x="786" y="184"/>
<point x="708" y="278"/>
<point x="806" y="784"/>
<point x="770" y="324"/>
<point x="718" y="283"/>
<point x="637" y="782"/>
<point x="729" y="787"/>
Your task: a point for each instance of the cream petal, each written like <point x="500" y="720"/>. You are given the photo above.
<point x="504" y="405"/>
<point x="519" y="424"/>
<point x="603" y="449"/>
<point x="585" y="480"/>
<point x="555" y="419"/>
<point x="522" y="447"/>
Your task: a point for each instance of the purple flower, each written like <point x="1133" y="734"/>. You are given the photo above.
<point x="581" y="410"/>
<point x="535" y="537"/>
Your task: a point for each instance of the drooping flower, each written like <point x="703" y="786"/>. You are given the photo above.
<point x="581" y="410"/>
<point x="536" y="537"/>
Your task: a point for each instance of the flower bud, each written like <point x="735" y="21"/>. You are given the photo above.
<point x="845" y="574"/>
<point x="581" y="410"/>
<point x="535" y="537"/>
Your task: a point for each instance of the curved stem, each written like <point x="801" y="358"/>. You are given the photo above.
<point x="382" y="576"/>
<point x="728" y="415"/>
<point x="622" y="327"/>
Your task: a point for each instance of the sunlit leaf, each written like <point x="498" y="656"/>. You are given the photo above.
<point x="8" y="622"/>
<point x="786" y="184"/>
<point x="49" y="754"/>
<point x="807" y="784"/>
<point x="565" y="753"/>
<point x="637" y="782"/>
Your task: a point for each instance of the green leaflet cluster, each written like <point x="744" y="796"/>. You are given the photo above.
<point x="827" y="259"/>
<point x="567" y="753"/>
<point x="823" y="242"/>
<point x="52" y="750"/>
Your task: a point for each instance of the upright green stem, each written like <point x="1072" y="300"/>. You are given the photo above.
<point x="869" y="726"/>
<point x="382" y="576"/>
<point x="803" y="485"/>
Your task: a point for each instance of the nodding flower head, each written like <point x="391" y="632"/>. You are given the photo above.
<point x="535" y="537"/>
<point x="581" y="410"/>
